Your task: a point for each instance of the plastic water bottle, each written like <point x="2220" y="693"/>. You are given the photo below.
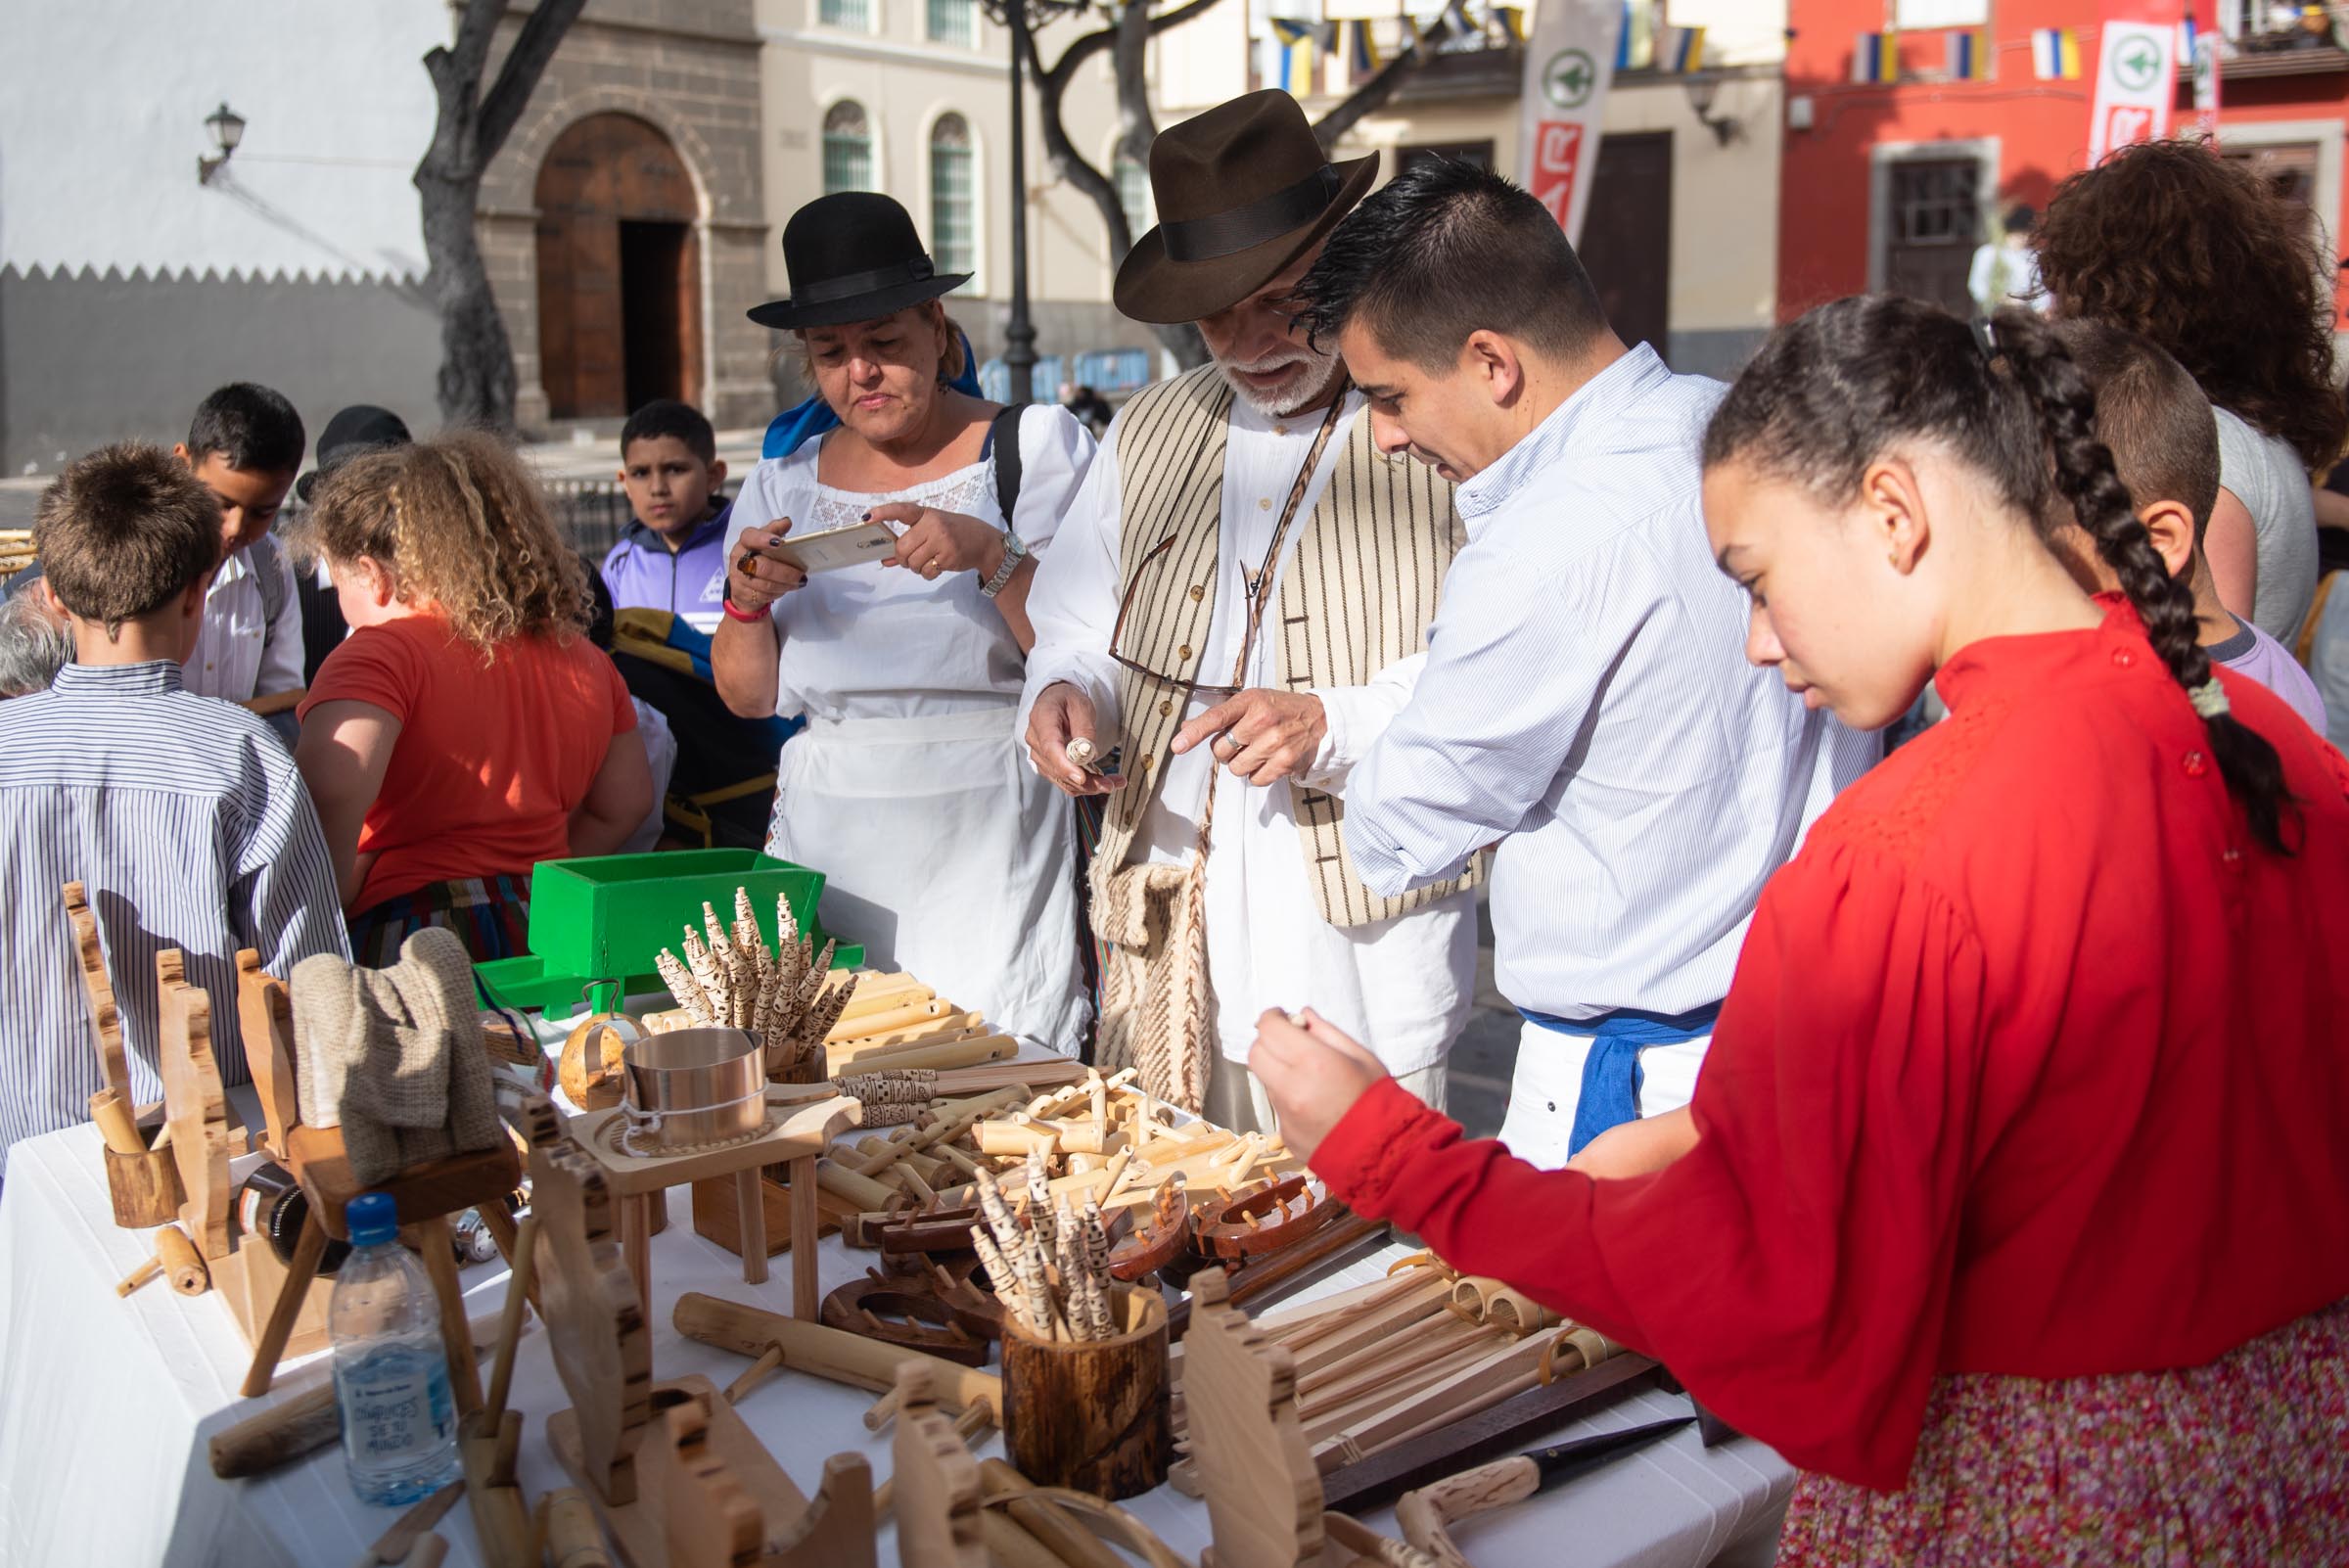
<point x="399" y="1420"/>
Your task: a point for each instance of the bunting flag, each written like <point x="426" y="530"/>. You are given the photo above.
<point x="2137" y="76"/>
<point x="1679" y="49"/>
<point x="1292" y="35"/>
<point x="1456" y="13"/>
<point x="1562" y="102"/>
<point x="1514" y="19"/>
<point x="1363" y="61"/>
<point x="2056" y="54"/>
<point x="1325" y="38"/>
<point x="1876" y="58"/>
<point x="1969" y="55"/>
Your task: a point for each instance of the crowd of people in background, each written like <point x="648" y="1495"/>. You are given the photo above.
<point x="1917" y="1108"/>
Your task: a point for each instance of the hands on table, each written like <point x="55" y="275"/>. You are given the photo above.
<point x="1312" y="1073"/>
<point x="1063" y="714"/>
<point x="935" y="544"/>
<point x="1261" y="735"/>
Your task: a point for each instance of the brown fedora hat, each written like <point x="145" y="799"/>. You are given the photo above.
<point x="1242" y="191"/>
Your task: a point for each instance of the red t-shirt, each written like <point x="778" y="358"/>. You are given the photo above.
<point x="493" y="757"/>
<point x="2032" y="1064"/>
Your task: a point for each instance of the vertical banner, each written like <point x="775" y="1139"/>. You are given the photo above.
<point x="2137" y="76"/>
<point x="2201" y="56"/>
<point x="1569" y="62"/>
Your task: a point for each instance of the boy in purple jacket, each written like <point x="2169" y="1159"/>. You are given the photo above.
<point x="673" y="555"/>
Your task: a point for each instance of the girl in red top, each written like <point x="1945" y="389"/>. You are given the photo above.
<point x="2014" y="1203"/>
<point x="467" y="730"/>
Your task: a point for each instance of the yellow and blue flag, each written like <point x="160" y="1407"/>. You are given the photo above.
<point x="1679" y="49"/>
<point x="1363" y="60"/>
<point x="1292" y="35"/>
<point x="2056" y="54"/>
<point x="1969" y="55"/>
<point x="1876" y="57"/>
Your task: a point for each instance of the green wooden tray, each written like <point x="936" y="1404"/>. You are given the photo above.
<point x="599" y="922"/>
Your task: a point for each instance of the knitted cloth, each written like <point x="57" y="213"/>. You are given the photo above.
<point x="1156" y="1001"/>
<point x="395" y="1056"/>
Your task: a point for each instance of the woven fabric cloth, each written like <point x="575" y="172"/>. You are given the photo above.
<point x="1157" y="1003"/>
<point x="490" y="916"/>
<point x="2237" y="1461"/>
<point x="395" y="1056"/>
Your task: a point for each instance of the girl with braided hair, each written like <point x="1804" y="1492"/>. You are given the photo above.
<point x="2014" y="1205"/>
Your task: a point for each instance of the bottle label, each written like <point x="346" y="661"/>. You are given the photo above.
<point x="395" y="1407"/>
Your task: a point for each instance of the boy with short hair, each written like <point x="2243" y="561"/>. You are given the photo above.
<point x="673" y="555"/>
<point x="182" y="816"/>
<point x="2165" y="443"/>
<point x="245" y="445"/>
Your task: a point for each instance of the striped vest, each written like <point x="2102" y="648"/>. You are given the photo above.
<point x="1357" y="595"/>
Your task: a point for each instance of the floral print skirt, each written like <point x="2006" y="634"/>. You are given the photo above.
<point x="2243" y="1461"/>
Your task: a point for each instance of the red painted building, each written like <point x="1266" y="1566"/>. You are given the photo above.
<point x="1891" y="185"/>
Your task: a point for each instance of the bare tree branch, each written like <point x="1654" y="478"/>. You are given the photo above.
<point x="507" y="97"/>
<point x="1366" y="99"/>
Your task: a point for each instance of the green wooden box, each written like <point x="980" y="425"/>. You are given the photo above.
<point x="604" y="919"/>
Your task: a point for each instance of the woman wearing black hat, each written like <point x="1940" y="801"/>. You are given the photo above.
<point x="943" y="851"/>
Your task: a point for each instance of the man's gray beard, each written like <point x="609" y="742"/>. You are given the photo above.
<point x="1323" y="369"/>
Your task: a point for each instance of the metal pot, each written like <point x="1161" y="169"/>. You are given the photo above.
<point x="693" y="1086"/>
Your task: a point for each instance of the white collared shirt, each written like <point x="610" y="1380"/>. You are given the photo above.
<point x="1404" y="986"/>
<point x="242" y="653"/>
<point x="1587" y="700"/>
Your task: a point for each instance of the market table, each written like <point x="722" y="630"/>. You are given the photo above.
<point x="106" y="1406"/>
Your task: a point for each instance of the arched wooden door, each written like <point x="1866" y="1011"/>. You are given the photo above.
<point x="619" y="275"/>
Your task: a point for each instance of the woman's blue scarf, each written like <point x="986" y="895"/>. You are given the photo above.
<point x="795" y="428"/>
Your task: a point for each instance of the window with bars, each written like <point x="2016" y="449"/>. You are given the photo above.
<point x="954" y="21"/>
<point x="953" y="236"/>
<point x="855" y="15"/>
<point x="1133" y="195"/>
<point x="848" y="148"/>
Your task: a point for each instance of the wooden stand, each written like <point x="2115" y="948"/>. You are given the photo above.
<point x="797" y="1136"/>
<point x="1091" y="1415"/>
<point x="144" y="1186"/>
<point x="718" y="1210"/>
<point x="670" y="1470"/>
<point x="1264" y="1496"/>
<point x="423" y="1197"/>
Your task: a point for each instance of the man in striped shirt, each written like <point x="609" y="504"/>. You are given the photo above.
<point x="1587" y="702"/>
<point x="182" y="816"/>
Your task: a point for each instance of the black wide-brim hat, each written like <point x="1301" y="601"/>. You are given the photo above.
<point x="1242" y="191"/>
<point x="853" y="256"/>
<point x="361" y="427"/>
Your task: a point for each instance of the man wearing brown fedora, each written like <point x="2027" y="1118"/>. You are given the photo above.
<point x="1235" y="604"/>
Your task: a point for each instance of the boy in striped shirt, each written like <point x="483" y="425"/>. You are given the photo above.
<point x="182" y="816"/>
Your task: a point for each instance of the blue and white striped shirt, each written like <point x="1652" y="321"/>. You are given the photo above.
<point x="185" y="819"/>
<point x="1587" y="700"/>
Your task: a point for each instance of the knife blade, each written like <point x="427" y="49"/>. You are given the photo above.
<point x="1426" y="1515"/>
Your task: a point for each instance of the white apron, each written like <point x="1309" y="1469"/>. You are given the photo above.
<point x="1547" y="1087"/>
<point x="946" y="856"/>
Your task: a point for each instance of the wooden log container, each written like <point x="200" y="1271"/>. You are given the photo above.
<point x="143" y="1188"/>
<point x="1093" y="1416"/>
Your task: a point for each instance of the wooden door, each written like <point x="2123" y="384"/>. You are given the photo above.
<point x="1627" y="236"/>
<point x="1931" y="232"/>
<point x="618" y="270"/>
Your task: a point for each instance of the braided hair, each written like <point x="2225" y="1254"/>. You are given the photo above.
<point x="1830" y="391"/>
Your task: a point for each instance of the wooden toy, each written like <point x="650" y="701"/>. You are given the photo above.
<point x="935" y="1481"/>
<point x="142" y="1179"/>
<point x="669" y="1468"/>
<point x="826" y="1353"/>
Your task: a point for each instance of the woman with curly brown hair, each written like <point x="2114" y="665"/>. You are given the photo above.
<point x="466" y="729"/>
<point x="2202" y="255"/>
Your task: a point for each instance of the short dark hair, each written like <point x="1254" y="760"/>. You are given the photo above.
<point x="251" y="426"/>
<point x="665" y="416"/>
<point x="2150" y="414"/>
<point x="123" y="532"/>
<point x="2021" y="219"/>
<point x="1444" y="250"/>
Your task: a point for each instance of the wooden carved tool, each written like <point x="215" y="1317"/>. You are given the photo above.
<point x="1337" y="1238"/>
<point x="1153" y="1246"/>
<point x="1254" y="1223"/>
<point x="935" y="1480"/>
<point x="825" y="1352"/>
<point x="413" y="1526"/>
<point x="1424" y="1515"/>
<point x="489" y="1437"/>
<point x="907" y="1309"/>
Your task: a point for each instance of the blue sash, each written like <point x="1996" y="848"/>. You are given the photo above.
<point x="1611" y="1076"/>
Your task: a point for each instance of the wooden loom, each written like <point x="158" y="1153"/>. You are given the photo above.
<point x="673" y="1473"/>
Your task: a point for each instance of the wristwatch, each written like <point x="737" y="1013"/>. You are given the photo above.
<point x="1014" y="552"/>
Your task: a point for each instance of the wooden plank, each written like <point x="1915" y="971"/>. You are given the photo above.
<point x="105" y="1019"/>
<point x="196" y="1109"/>
<point x="265" y="1017"/>
<point x="1505" y="1428"/>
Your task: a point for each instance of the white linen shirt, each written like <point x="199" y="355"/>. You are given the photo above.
<point x="1587" y="700"/>
<point x="870" y="641"/>
<point x="241" y="653"/>
<point x="1404" y="986"/>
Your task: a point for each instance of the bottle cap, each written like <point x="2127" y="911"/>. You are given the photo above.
<point x="372" y="1219"/>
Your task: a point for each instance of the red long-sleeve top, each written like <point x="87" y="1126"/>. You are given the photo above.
<point x="2032" y="1064"/>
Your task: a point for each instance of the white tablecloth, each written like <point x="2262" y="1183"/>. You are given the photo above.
<point x="106" y="1407"/>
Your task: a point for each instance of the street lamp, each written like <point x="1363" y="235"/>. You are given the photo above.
<point x="1702" y="90"/>
<point x="228" y="129"/>
<point x="1021" y="18"/>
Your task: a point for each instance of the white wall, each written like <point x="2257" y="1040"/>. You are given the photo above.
<point x="102" y="106"/>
